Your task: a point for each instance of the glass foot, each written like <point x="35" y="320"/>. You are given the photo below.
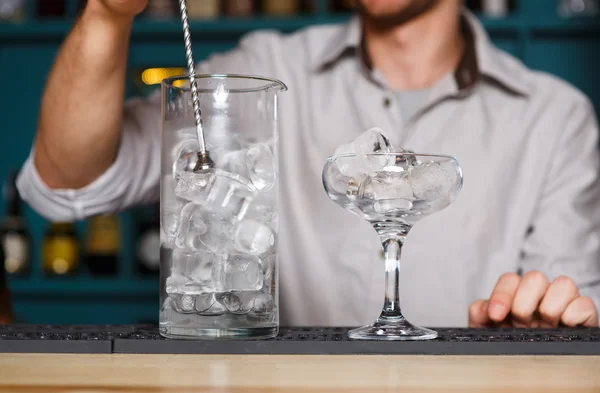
<point x="388" y="329"/>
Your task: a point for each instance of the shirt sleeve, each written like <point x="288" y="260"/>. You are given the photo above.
<point x="133" y="178"/>
<point x="565" y="234"/>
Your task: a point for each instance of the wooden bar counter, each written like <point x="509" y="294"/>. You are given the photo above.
<point x="46" y="373"/>
<point x="135" y="358"/>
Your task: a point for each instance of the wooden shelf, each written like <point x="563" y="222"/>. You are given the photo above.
<point x="224" y="26"/>
<point x="558" y="25"/>
<point x="511" y="23"/>
<point x="236" y="26"/>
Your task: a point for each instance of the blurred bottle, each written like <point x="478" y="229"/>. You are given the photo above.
<point x="578" y="8"/>
<point x="203" y="9"/>
<point x="342" y="5"/>
<point x="60" y="249"/>
<point x="12" y="10"/>
<point x="51" y="8"/>
<point x="161" y="9"/>
<point x="148" y="243"/>
<point x="5" y="302"/>
<point x="280" y="7"/>
<point x="494" y="8"/>
<point x="16" y="240"/>
<point x="309" y="6"/>
<point x="103" y="244"/>
<point x="239" y="8"/>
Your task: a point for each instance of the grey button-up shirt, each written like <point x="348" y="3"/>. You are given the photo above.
<point x="526" y="142"/>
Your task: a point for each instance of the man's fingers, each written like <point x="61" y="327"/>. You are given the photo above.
<point x="502" y="297"/>
<point x="560" y="294"/>
<point x="531" y="290"/>
<point x="478" y="315"/>
<point x="580" y="312"/>
<point x="532" y="301"/>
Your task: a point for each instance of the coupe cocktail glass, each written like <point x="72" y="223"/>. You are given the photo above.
<point x="392" y="192"/>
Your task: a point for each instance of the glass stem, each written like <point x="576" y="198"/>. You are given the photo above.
<point x="392" y="247"/>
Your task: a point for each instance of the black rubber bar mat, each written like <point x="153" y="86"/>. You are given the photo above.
<point x="334" y="341"/>
<point x="320" y="341"/>
<point x="60" y="338"/>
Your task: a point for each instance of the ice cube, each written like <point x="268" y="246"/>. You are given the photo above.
<point x="230" y="194"/>
<point x="238" y="272"/>
<point x="186" y="157"/>
<point x="275" y="222"/>
<point x="263" y="207"/>
<point x="169" y="313"/>
<point x="432" y="180"/>
<point x="255" y="165"/>
<point x="264" y="305"/>
<point x="389" y="190"/>
<point x="406" y="161"/>
<point x="174" y="282"/>
<point x="195" y="186"/>
<point x="384" y="206"/>
<point x="244" y="302"/>
<point x="269" y="265"/>
<point x="233" y="161"/>
<point x="341" y="188"/>
<point x="373" y="141"/>
<point x="206" y="304"/>
<point x="260" y="165"/>
<point x="197" y="269"/>
<point x="170" y="224"/>
<point x="370" y="141"/>
<point x="238" y="303"/>
<point x="191" y="227"/>
<point x="253" y="237"/>
<point x="183" y="303"/>
<point x="201" y="227"/>
<point x="230" y="301"/>
<point x="219" y="232"/>
<point x="386" y="184"/>
<point x="170" y="210"/>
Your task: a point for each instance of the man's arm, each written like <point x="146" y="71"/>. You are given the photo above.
<point x="561" y="255"/>
<point x="82" y="107"/>
<point x="90" y="155"/>
<point x="130" y="175"/>
<point x="565" y="237"/>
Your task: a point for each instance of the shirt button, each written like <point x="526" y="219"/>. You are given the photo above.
<point x="387" y="102"/>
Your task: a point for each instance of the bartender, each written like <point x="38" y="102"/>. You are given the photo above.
<point x="520" y="246"/>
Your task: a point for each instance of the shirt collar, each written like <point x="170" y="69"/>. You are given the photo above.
<point x="347" y="38"/>
<point x="481" y="57"/>
<point x="491" y="62"/>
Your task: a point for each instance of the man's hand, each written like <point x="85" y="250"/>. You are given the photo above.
<point x="127" y="8"/>
<point x="532" y="301"/>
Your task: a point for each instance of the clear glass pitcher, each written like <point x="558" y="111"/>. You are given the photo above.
<point x="218" y="272"/>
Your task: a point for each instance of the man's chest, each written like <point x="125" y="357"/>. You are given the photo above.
<point x="500" y="155"/>
<point x="496" y="145"/>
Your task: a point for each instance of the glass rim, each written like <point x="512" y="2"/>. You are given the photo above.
<point x="168" y="82"/>
<point x="397" y="154"/>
